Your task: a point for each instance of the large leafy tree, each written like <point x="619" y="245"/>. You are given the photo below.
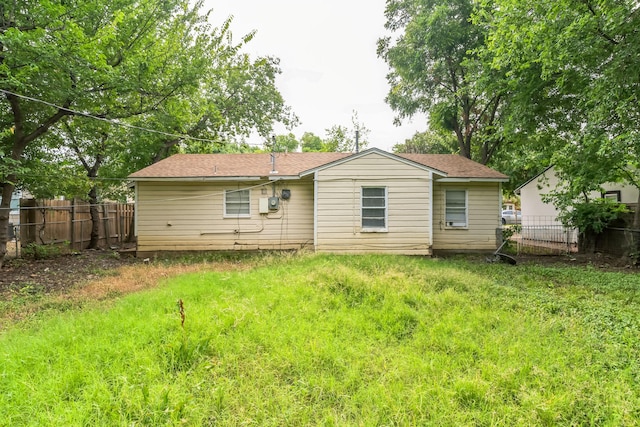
<point x="575" y="65"/>
<point x="435" y="70"/>
<point x="75" y="55"/>
<point x="146" y="63"/>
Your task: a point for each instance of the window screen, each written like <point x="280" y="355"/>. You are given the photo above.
<point x="374" y="207"/>
<point x="456" y="208"/>
<point x="237" y="203"/>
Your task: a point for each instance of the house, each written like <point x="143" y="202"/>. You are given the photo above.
<point x="14" y="213"/>
<point x="535" y="210"/>
<point x="371" y="201"/>
<point x="540" y="219"/>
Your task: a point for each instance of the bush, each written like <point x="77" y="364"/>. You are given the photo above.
<point x="35" y="251"/>
<point x="593" y="217"/>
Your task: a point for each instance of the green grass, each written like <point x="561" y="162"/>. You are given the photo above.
<point x="338" y="340"/>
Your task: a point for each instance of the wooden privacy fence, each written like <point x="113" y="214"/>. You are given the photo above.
<point x="58" y="221"/>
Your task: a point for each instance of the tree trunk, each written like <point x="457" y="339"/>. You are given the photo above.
<point x="5" y="208"/>
<point x="95" y="218"/>
<point x="587" y="242"/>
<point x="636" y="214"/>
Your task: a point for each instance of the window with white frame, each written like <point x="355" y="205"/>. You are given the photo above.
<point x="374" y="208"/>
<point x="237" y="203"/>
<point x="456" y="208"/>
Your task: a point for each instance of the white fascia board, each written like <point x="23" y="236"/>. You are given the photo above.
<point x="199" y="179"/>
<point x="474" y="180"/>
<point x="282" y="177"/>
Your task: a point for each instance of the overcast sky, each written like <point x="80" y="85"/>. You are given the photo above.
<point x="327" y="50"/>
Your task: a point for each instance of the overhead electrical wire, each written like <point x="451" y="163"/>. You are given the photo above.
<point x="111" y="121"/>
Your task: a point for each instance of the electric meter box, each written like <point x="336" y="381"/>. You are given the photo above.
<point x="274" y="203"/>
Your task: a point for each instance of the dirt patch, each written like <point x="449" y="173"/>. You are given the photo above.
<point x="92" y="274"/>
<point x="60" y="273"/>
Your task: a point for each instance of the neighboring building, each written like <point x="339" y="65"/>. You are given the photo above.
<point x="14" y="213"/>
<point x="372" y="201"/>
<point x="540" y="219"/>
<point x="535" y="209"/>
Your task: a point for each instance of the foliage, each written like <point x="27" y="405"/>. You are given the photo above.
<point x="593" y="216"/>
<point x="337" y="340"/>
<point x="282" y="143"/>
<point x="574" y="83"/>
<point x="435" y="70"/>
<point x="38" y="251"/>
<point x="429" y="142"/>
<point x="311" y="143"/>
<point x="339" y="138"/>
<point x="98" y="66"/>
<point x="342" y="139"/>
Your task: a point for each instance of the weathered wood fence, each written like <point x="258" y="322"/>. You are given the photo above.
<point x="60" y="221"/>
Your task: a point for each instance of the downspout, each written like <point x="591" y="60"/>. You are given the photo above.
<point x="430" y="242"/>
<point x="315" y="211"/>
<point x="136" y="209"/>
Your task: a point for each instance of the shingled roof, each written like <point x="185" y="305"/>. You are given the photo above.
<point x="192" y="166"/>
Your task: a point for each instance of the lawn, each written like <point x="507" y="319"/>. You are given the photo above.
<point x="336" y="340"/>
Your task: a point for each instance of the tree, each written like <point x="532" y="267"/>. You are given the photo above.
<point x="575" y="62"/>
<point x="150" y="63"/>
<point x="435" y="70"/>
<point x="311" y="143"/>
<point x="86" y="57"/>
<point x="428" y="142"/>
<point x="343" y="139"/>
<point x="282" y="144"/>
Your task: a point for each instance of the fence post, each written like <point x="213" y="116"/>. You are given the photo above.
<point x="72" y="234"/>
<point x="105" y="212"/>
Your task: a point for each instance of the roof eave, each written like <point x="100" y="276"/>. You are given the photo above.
<point x="453" y="179"/>
<point x="196" y="178"/>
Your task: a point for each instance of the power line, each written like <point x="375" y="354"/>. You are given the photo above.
<point x="111" y="121"/>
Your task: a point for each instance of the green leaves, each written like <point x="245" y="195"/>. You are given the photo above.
<point x="574" y="83"/>
<point x="435" y="68"/>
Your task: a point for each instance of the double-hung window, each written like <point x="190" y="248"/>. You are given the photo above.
<point x="456" y="208"/>
<point x="237" y="203"/>
<point x="374" y="209"/>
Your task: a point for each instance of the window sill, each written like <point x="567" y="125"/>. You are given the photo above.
<point x="374" y="230"/>
<point x="236" y="216"/>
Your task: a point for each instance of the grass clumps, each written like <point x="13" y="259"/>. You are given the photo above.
<point x="337" y="340"/>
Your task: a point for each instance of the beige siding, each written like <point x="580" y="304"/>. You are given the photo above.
<point x="174" y="216"/>
<point x="483" y="204"/>
<point x="339" y="227"/>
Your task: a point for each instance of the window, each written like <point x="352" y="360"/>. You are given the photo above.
<point x="456" y="208"/>
<point x="374" y="208"/>
<point x="615" y="195"/>
<point x="237" y="203"/>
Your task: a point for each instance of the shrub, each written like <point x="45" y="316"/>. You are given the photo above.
<point x="593" y="217"/>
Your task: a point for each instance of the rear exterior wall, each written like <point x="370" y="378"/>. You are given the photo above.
<point x="189" y="216"/>
<point x="339" y="207"/>
<point x="483" y="211"/>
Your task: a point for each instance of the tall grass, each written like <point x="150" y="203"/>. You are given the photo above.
<point x="338" y="340"/>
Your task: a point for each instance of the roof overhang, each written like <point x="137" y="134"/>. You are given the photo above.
<point x="462" y="180"/>
<point x="196" y="179"/>
<point x="368" y="152"/>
